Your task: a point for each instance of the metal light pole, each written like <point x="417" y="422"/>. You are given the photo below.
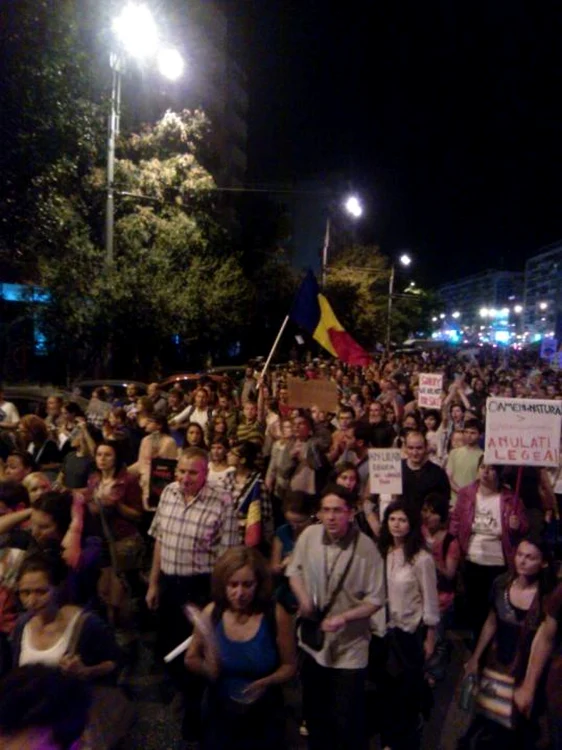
<point x="352" y="207"/>
<point x="405" y="260"/>
<point x="389" y="314"/>
<point x="137" y="37"/>
<point x="112" y="135"/>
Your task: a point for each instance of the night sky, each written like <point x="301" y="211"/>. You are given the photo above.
<point x="445" y="116"/>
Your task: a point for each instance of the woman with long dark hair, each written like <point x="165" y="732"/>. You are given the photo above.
<point x="412" y="615"/>
<point x="114" y="501"/>
<point x="34" y="435"/>
<point x="517" y="609"/>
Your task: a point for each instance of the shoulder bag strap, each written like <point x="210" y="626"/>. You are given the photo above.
<point x="339" y="586"/>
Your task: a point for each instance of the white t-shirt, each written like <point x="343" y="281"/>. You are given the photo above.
<point x="485" y="546"/>
<point x="219" y="478"/>
<point x="8" y="413"/>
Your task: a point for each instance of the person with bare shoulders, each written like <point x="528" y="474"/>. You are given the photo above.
<point x="245" y="648"/>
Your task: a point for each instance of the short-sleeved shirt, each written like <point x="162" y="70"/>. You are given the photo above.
<point x="463" y="466"/>
<point x="320" y="563"/>
<point x="8" y="413"/>
<point x="193" y="535"/>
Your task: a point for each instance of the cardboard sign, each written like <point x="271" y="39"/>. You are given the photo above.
<point x="385" y="471"/>
<point x="430" y="390"/>
<point x="523" y="432"/>
<point x="162" y="472"/>
<point x="306" y="393"/>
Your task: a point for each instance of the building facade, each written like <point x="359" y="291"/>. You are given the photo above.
<point x="473" y="299"/>
<point x="543" y="293"/>
<point x="216" y="83"/>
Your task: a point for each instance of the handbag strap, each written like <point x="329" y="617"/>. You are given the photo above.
<point x="340" y="583"/>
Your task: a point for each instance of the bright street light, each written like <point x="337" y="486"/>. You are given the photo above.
<point x="405" y="260"/>
<point x="456" y="314"/>
<point x="137" y="36"/>
<point x="442" y="316"/>
<point x="136" y="30"/>
<point x="518" y="309"/>
<point x="170" y="64"/>
<point x="484" y="312"/>
<point x="353" y="206"/>
<point x="543" y="305"/>
<point x="434" y="320"/>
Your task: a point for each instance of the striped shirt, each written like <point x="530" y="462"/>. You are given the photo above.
<point x="194" y="535"/>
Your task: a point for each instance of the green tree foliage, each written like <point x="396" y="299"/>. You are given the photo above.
<point x="357" y="288"/>
<point x="173" y="273"/>
<point x="50" y="114"/>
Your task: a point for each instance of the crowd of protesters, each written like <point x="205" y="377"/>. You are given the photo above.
<point x="292" y="569"/>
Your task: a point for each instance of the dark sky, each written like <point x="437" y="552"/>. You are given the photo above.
<point x="445" y="115"/>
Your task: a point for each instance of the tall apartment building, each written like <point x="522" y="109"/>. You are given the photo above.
<point x="490" y="289"/>
<point x="215" y="81"/>
<point x="543" y="292"/>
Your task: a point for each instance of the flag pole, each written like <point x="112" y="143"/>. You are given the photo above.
<point x="273" y="348"/>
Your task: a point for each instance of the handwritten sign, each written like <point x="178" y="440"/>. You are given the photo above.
<point x="162" y="472"/>
<point x="306" y="393"/>
<point x="385" y="471"/>
<point x="430" y="390"/>
<point x="523" y="432"/>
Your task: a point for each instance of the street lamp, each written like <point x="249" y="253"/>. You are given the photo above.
<point x="518" y="309"/>
<point x="137" y="36"/>
<point x="543" y="305"/>
<point x="352" y="206"/>
<point x="405" y="260"/>
<point x="456" y="314"/>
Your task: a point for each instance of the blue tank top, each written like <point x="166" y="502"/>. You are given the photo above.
<point x="243" y="662"/>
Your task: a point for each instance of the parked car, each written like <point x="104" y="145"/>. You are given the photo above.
<point x="32" y="399"/>
<point x="189" y="380"/>
<point x="118" y="387"/>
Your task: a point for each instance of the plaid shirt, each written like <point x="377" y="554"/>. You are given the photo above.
<point x="194" y="535"/>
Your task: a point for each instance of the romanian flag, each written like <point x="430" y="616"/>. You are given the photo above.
<point x="250" y="508"/>
<point x="312" y="311"/>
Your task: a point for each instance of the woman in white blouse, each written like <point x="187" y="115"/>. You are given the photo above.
<point x="412" y="615"/>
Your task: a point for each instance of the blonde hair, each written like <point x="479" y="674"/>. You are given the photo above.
<point x="36" y="476"/>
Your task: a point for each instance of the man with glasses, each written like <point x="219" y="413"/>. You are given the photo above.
<point x="335" y="565"/>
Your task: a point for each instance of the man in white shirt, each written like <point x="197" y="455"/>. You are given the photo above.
<point x="9" y="415"/>
<point x="335" y="564"/>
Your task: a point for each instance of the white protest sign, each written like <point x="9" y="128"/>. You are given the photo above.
<point x="385" y="471"/>
<point x="430" y="390"/>
<point x="523" y="432"/>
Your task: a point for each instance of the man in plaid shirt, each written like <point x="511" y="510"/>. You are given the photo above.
<point x="193" y="525"/>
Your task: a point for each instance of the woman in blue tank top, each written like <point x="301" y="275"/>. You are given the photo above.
<point x="244" y="645"/>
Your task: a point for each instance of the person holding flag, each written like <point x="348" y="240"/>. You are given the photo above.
<point x="251" y="500"/>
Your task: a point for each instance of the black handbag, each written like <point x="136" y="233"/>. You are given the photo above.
<point x="311" y="634"/>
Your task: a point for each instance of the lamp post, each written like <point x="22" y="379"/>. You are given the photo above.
<point x="353" y="208"/>
<point x="405" y="260"/>
<point x="137" y="37"/>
